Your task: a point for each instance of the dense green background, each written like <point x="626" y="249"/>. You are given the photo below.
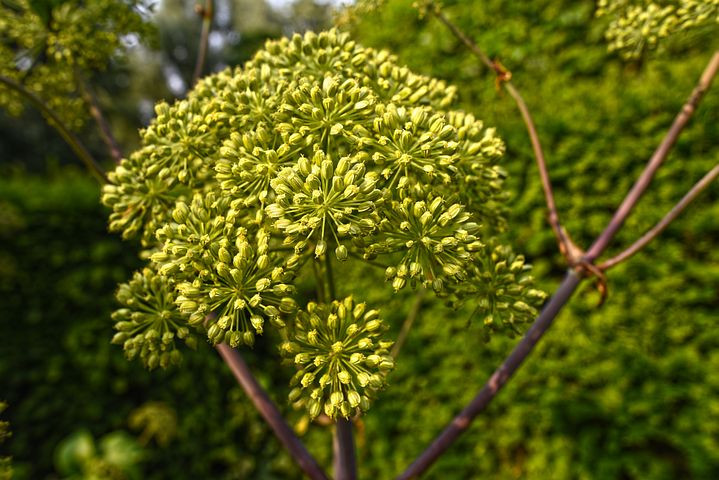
<point x="628" y="390"/>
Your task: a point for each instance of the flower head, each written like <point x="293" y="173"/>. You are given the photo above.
<point x="317" y="146"/>
<point x="500" y="290"/>
<point x="323" y="202"/>
<point x="341" y="360"/>
<point x="412" y="145"/>
<point x="149" y="322"/>
<point x="224" y="270"/>
<point x="434" y="241"/>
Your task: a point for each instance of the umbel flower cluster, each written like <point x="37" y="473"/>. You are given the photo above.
<point x="638" y="25"/>
<point x="318" y="155"/>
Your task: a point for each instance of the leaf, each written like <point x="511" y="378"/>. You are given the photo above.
<point x="73" y="452"/>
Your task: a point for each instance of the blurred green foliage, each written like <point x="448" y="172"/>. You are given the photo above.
<point x="52" y="46"/>
<point x="627" y="391"/>
<point x="5" y="462"/>
<point x="115" y="456"/>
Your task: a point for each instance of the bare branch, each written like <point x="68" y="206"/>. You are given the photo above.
<point x="269" y="412"/>
<point x="54" y="121"/>
<point x="345" y="463"/>
<point x="105" y="131"/>
<point x="566" y="246"/>
<point x="661" y="153"/>
<point x="207" y="12"/>
<point x="692" y="194"/>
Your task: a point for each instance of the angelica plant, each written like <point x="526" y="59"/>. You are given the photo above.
<point x="318" y="153"/>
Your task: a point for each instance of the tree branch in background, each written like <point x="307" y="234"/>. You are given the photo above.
<point x="345" y="463"/>
<point x="567" y="288"/>
<point x="269" y="412"/>
<point x="70" y="138"/>
<point x="692" y="194"/>
<point x="206" y="12"/>
<point x="570" y="251"/>
<point x="105" y="131"/>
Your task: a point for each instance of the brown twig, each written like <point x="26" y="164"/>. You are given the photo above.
<point x="500" y="376"/>
<point x="105" y="131"/>
<point x="54" y="121"/>
<point x="570" y="251"/>
<point x="345" y="463"/>
<point x="408" y="322"/>
<point x="270" y="413"/>
<point x="562" y="295"/>
<point x="206" y="12"/>
<point x="661" y="153"/>
<point x="692" y="194"/>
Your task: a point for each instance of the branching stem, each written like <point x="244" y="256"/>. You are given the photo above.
<point x="408" y="322"/>
<point x="569" y="285"/>
<point x="207" y="13"/>
<point x="660" y="154"/>
<point x="498" y="379"/>
<point x="330" y="278"/>
<point x="566" y="246"/>
<point x="692" y="194"/>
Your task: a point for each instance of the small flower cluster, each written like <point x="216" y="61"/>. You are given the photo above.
<point x="500" y="290"/>
<point x="318" y="202"/>
<point x="341" y="359"/>
<point x="435" y="241"/>
<point x="318" y="150"/>
<point x="221" y="269"/>
<point x="636" y="27"/>
<point x="149" y="323"/>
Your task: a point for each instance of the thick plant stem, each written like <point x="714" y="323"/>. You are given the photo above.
<point x="207" y="13"/>
<point x="695" y="191"/>
<point x="345" y="463"/>
<point x="660" y="154"/>
<point x="70" y="138"/>
<point x="343" y="445"/>
<point x="498" y="379"/>
<point x="270" y="413"/>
